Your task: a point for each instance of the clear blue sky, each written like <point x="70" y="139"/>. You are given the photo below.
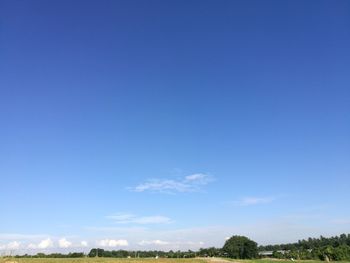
<point x="172" y="124"/>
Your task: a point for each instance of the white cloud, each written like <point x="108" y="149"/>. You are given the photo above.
<point x="143" y="220"/>
<point x="32" y="246"/>
<point x="190" y="183"/>
<point x="64" y="243"/>
<point x="156" y="185"/>
<point x="122" y="217"/>
<point x="46" y="243"/>
<point x="84" y="243"/>
<point x="156" y="242"/>
<point x="13" y="245"/>
<point x="198" y="178"/>
<point x="248" y="201"/>
<point x="61" y="243"/>
<point x="113" y="243"/>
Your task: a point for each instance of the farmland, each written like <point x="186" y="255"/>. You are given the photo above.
<point x="101" y="260"/>
<point x="148" y="260"/>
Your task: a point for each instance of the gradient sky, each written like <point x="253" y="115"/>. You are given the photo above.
<point x="172" y="124"/>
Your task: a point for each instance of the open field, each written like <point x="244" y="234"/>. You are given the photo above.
<point x="101" y="260"/>
<point x="116" y="260"/>
<point x="281" y="261"/>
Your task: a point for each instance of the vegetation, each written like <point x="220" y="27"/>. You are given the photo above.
<point x="141" y="254"/>
<point x="240" y="247"/>
<point x="54" y="255"/>
<point x="334" y="248"/>
<point x="310" y="243"/>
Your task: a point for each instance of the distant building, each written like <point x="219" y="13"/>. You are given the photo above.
<point x="270" y="253"/>
<point x="266" y="253"/>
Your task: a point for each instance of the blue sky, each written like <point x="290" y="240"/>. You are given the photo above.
<point x="172" y="124"/>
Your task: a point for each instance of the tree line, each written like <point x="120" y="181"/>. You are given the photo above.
<point x="311" y="243"/>
<point x="332" y="248"/>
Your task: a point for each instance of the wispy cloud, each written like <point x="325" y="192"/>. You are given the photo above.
<point x="13" y="245"/>
<point x="250" y="201"/>
<point x="190" y="183"/>
<point x="113" y="243"/>
<point x="141" y="220"/>
<point x="156" y="242"/>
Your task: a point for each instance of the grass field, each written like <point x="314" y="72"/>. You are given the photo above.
<point x="160" y="260"/>
<point x="101" y="260"/>
<point x="282" y="261"/>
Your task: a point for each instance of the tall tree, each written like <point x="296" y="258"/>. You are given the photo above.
<point x="241" y="247"/>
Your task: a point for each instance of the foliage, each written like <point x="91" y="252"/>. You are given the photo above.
<point x="310" y="243"/>
<point x="210" y="252"/>
<point x="140" y="254"/>
<point x="240" y="247"/>
<point x="334" y="248"/>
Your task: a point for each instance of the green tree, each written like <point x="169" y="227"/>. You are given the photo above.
<point x="240" y="247"/>
<point x="96" y="252"/>
<point x="341" y="252"/>
<point x="277" y="254"/>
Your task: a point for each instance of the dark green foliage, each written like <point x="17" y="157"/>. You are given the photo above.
<point x="334" y="248"/>
<point x="210" y="252"/>
<point x="277" y="254"/>
<point x="310" y="243"/>
<point x="96" y="252"/>
<point x="240" y="247"/>
<point x="141" y="254"/>
<point x="54" y="255"/>
<point x="341" y="252"/>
